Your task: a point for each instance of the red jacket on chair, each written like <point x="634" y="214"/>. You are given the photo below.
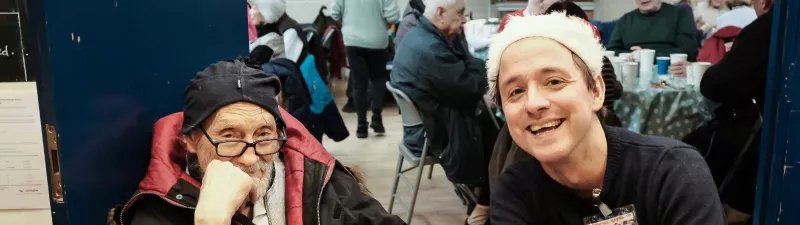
<point x="714" y="47"/>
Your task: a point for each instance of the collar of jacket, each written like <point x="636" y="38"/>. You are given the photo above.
<point x="304" y="157"/>
<point x="428" y="26"/>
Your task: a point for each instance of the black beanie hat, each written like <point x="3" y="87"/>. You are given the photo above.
<point x="225" y="83"/>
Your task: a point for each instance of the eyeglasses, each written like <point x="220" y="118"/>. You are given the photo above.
<point x="235" y="148"/>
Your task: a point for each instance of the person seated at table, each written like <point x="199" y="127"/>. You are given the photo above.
<point x="655" y="25"/>
<point x="741" y="15"/>
<point x="435" y="69"/>
<point x="534" y="7"/>
<point x="544" y="73"/>
<point x="706" y="15"/>
<point x="234" y="157"/>
<point x="505" y="152"/>
<point x="735" y="82"/>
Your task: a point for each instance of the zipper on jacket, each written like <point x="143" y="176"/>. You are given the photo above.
<point x="136" y="196"/>
<point x="319" y="199"/>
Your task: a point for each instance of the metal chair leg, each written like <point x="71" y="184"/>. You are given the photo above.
<point x="415" y="189"/>
<point x="430" y="173"/>
<point x="396" y="180"/>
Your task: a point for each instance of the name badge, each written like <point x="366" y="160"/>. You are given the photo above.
<point x="625" y="215"/>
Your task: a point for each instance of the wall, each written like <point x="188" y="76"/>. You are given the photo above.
<point x="304" y="11"/>
<point x="30" y="216"/>
<point x="612" y="9"/>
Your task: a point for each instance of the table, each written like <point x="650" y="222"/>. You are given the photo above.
<point x="668" y="112"/>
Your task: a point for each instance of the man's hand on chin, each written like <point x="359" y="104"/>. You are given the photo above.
<point x="224" y="189"/>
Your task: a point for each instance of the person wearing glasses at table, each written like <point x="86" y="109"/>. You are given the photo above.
<point x="240" y="159"/>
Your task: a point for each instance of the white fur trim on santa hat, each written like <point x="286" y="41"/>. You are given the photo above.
<point x="574" y="33"/>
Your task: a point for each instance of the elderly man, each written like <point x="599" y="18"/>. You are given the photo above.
<point x="239" y="159"/>
<point x="534" y="7"/>
<point x="435" y="69"/>
<point x="545" y="73"/>
<point x="655" y="25"/>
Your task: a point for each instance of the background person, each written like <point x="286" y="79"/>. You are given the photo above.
<point x="365" y="26"/>
<point x="655" y="25"/>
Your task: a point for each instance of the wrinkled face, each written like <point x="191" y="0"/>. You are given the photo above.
<point x="237" y="121"/>
<point x="648" y="6"/>
<point x="450" y="19"/>
<point x="546" y="101"/>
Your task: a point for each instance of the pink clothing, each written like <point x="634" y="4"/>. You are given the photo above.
<point x="251" y="29"/>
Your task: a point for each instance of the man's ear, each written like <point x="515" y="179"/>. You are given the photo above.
<point x="598" y="93"/>
<point x="189" y="143"/>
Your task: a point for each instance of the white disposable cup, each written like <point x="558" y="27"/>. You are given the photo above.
<point x="616" y="62"/>
<point x="609" y="54"/>
<point x="630" y="74"/>
<point x="677" y="57"/>
<point x="698" y="69"/>
<point x="627" y="57"/>
<point x="646" y="59"/>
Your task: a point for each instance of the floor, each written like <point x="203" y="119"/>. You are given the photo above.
<point x="376" y="157"/>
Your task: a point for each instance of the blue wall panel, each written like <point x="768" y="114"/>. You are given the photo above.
<point x="777" y="198"/>
<point x="116" y="67"/>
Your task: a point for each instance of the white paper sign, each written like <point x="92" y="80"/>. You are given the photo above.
<point x="23" y="174"/>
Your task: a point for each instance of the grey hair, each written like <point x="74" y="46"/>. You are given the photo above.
<point x="432" y="5"/>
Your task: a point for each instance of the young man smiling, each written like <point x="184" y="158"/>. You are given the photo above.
<point x="579" y="171"/>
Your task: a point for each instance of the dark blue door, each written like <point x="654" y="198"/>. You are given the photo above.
<point x="108" y="70"/>
<point x="777" y="198"/>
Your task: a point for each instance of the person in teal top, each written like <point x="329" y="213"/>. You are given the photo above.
<point x="365" y="29"/>
<point x="655" y="25"/>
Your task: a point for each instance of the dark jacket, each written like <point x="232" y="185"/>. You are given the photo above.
<point x="734" y="82"/>
<point x="319" y="190"/>
<point x="447" y="84"/>
<point x="297" y="94"/>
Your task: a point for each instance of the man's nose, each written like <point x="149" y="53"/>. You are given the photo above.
<point x="248" y="158"/>
<point x="536" y="101"/>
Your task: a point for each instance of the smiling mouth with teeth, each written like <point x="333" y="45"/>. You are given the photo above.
<point x="544" y="128"/>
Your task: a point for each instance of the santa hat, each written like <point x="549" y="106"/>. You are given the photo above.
<point x="578" y="35"/>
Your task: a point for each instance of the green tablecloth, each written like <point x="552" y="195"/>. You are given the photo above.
<point x="667" y="112"/>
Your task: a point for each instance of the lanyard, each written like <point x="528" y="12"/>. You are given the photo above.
<point x="598" y="203"/>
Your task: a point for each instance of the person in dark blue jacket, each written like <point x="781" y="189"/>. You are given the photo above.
<point x="435" y="69"/>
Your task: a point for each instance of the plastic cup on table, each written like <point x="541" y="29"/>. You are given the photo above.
<point x="696" y="75"/>
<point x="609" y="54"/>
<point x="663" y="65"/>
<point x="646" y="60"/>
<point x="677" y="57"/>
<point x="616" y="62"/>
<point x="627" y="57"/>
<point x="630" y="75"/>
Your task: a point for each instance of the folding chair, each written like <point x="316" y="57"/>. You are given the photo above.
<point x="411" y="117"/>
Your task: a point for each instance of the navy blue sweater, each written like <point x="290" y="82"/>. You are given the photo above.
<point x="666" y="180"/>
